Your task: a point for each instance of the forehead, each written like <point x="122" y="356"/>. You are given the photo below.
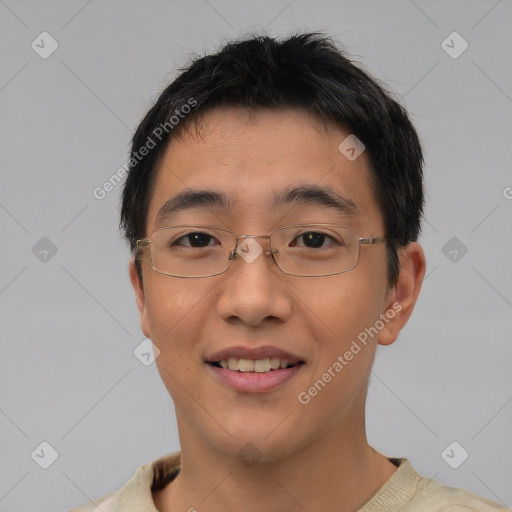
<point x="257" y="161"/>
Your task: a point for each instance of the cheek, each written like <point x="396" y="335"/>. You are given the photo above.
<point x="338" y="311"/>
<point x="175" y="327"/>
<point x="343" y="333"/>
<point x="336" y="317"/>
<point x="177" y="313"/>
<point x="339" y="318"/>
<point x="170" y="304"/>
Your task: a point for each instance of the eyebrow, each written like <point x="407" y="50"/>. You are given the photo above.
<point x="193" y="199"/>
<point x="312" y="195"/>
<point x="315" y="195"/>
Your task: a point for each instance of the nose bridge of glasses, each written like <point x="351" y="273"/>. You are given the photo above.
<point x="253" y="237"/>
<point x="245" y="237"/>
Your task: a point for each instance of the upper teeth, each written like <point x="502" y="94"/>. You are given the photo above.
<point x="254" y="365"/>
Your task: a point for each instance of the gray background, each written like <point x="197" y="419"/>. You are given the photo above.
<point x="69" y="323"/>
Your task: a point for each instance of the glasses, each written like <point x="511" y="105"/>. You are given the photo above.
<point x="304" y="250"/>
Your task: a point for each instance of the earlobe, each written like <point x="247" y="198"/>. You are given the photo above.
<point x="402" y="297"/>
<point x="140" y="298"/>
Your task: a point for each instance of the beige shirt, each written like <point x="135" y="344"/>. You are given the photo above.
<point x="405" y="491"/>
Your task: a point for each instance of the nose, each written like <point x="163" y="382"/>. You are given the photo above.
<point x="253" y="291"/>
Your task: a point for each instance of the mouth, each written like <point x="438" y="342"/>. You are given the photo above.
<point x="254" y="370"/>
<point x="265" y="365"/>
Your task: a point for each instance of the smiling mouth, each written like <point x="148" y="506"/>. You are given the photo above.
<point x="264" y="365"/>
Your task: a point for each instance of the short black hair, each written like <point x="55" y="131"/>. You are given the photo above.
<point x="305" y="71"/>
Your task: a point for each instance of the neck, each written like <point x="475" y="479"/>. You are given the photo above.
<point x="336" y="472"/>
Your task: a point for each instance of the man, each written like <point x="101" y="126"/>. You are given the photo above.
<point x="273" y="205"/>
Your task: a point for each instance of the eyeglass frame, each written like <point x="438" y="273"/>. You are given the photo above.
<point x="146" y="242"/>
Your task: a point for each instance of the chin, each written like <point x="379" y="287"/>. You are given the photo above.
<point x="263" y="440"/>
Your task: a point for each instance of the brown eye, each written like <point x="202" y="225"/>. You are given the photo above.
<point x="313" y="240"/>
<point x="195" y="239"/>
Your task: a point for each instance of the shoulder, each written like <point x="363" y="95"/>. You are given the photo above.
<point x="407" y="491"/>
<point x="136" y="494"/>
<point x="440" y="498"/>
<point x="432" y="496"/>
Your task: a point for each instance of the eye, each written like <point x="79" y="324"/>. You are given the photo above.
<point x="314" y="240"/>
<point x="196" y="239"/>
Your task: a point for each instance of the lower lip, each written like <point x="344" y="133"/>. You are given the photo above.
<point x="253" y="382"/>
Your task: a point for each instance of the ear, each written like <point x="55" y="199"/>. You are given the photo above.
<point x="140" y="298"/>
<point x="401" y="299"/>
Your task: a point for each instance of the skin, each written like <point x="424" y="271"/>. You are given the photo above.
<point x="301" y="447"/>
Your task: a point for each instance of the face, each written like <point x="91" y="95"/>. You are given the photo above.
<point x="254" y="309"/>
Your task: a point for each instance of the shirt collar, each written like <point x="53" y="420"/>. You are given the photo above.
<point x="136" y="494"/>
